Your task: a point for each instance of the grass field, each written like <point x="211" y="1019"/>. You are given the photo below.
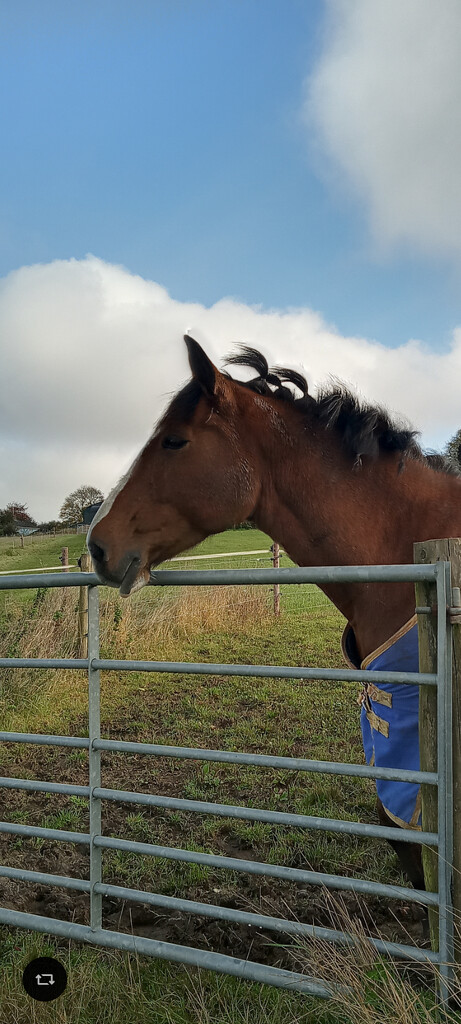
<point x="293" y="718"/>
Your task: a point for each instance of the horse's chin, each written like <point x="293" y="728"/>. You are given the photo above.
<point x="131" y="583"/>
<point x="128" y="588"/>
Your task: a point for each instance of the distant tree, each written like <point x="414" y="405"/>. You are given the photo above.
<point x="72" y="508"/>
<point x="7" y="524"/>
<point x="20" y="514"/>
<point x="453" y="448"/>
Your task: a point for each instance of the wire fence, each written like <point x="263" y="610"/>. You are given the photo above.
<point x="301" y="599"/>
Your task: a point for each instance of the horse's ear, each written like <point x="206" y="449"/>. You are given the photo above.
<point x="203" y="370"/>
<point x="213" y="383"/>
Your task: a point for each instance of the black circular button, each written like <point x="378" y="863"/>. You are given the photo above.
<point x="44" y="978"/>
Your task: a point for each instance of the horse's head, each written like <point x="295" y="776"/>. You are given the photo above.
<point x="195" y="476"/>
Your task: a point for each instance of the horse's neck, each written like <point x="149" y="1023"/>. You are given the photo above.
<point x="325" y="513"/>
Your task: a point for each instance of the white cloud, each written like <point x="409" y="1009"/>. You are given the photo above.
<point x="384" y="101"/>
<point x="89" y="355"/>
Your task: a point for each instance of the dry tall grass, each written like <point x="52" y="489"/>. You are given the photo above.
<point x="46" y="628"/>
<point x="368" y="988"/>
<point x="153" y="626"/>
<point x="150" y="628"/>
<point x="140" y="628"/>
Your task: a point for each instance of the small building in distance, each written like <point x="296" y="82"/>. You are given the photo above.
<point x="88" y="515"/>
<point x="23" y="529"/>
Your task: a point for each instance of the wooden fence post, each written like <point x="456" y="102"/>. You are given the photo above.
<point x="424" y="553"/>
<point x="82" y="652"/>
<point x="275" y="548"/>
<point x="64" y="559"/>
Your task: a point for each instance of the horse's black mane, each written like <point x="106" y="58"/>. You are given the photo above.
<point x="365" y="430"/>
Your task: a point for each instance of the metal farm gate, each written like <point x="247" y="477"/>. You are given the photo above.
<point x="96" y="842"/>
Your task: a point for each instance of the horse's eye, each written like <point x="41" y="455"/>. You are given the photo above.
<point x="174" y="443"/>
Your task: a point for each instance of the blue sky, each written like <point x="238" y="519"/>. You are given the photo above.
<point x="169" y="137"/>
<point x="279" y="172"/>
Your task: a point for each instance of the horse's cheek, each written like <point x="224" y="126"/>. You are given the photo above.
<point x="213" y="496"/>
<point x="235" y="491"/>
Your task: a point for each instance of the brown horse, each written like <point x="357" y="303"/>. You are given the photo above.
<point x="336" y="483"/>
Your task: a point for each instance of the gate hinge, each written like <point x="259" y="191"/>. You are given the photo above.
<point x="454" y="611"/>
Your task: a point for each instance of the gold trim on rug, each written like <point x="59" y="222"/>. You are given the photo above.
<point x="389" y="643"/>
<point x="416" y="812"/>
<point x="414" y="818"/>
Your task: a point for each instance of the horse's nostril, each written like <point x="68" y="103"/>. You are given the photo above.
<point x="96" y="552"/>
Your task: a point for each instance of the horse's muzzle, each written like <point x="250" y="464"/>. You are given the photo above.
<point x="123" y="575"/>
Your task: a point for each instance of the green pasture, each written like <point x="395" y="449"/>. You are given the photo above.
<point x="45" y="551"/>
<point x="280" y="716"/>
<point x="38" y="552"/>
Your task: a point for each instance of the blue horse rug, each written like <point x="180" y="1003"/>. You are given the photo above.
<point x="389" y="719"/>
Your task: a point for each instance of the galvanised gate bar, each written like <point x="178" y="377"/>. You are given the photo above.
<point x="95" y="793"/>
